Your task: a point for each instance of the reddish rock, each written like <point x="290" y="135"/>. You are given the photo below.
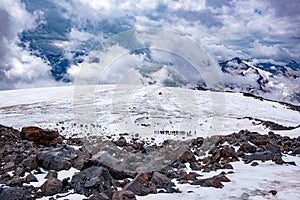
<point x="191" y="177"/>
<point x="40" y="136"/>
<point x="141" y="185"/>
<point x="187" y="156"/>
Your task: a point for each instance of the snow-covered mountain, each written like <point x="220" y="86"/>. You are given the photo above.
<point x="274" y="81"/>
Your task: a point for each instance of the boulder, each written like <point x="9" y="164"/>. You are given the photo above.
<point x="195" y="166"/>
<point x="257" y="139"/>
<point x="158" y="178"/>
<point x="141" y="185"/>
<point x="99" y="196"/>
<point x="92" y="180"/>
<point x="123" y="195"/>
<point x="262" y="156"/>
<point x="247" y="148"/>
<point x="30" y="162"/>
<point x="8" y="167"/>
<point x="214" y="181"/>
<point x="56" y="159"/>
<point x="4" y="177"/>
<point x="15" y="181"/>
<point x="30" y="178"/>
<point x="187" y="156"/>
<point x="15" y="193"/>
<point x="40" y="136"/>
<point x="275" y="149"/>
<point x="121" y="142"/>
<point x="296" y="151"/>
<point x="51" y="187"/>
<point x="83" y="157"/>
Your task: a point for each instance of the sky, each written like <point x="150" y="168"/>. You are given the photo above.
<point x="31" y="30"/>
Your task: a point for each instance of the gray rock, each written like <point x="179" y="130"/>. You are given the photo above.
<point x="121" y="142"/>
<point x="30" y="178"/>
<point x="92" y="180"/>
<point x="262" y="156"/>
<point x="30" y="162"/>
<point x="56" y="159"/>
<point x="4" y="177"/>
<point x="15" y="193"/>
<point x="296" y="151"/>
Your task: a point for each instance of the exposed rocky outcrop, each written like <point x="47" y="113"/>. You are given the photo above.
<point x="99" y="178"/>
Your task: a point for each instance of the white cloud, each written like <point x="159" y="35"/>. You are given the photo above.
<point x="260" y="50"/>
<point x="224" y="28"/>
<point x="18" y="66"/>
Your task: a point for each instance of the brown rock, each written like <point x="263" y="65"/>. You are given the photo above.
<point x="141" y="185"/>
<point x="8" y="167"/>
<point x="257" y="139"/>
<point x="159" y="178"/>
<point x="190" y="177"/>
<point x="214" y="181"/>
<point x="123" y="195"/>
<point x="99" y="196"/>
<point x="51" y="187"/>
<point x="187" y="156"/>
<point x="40" y="136"/>
<point x="15" y="181"/>
<point x="247" y="148"/>
<point x="82" y="158"/>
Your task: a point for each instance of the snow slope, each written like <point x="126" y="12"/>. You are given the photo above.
<point x="115" y="109"/>
<point x="144" y="110"/>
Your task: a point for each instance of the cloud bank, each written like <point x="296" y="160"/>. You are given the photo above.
<point x="40" y="40"/>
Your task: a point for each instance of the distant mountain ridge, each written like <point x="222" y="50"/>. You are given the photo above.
<point x="270" y="80"/>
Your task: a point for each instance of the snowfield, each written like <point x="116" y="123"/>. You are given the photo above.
<point x="114" y="109"/>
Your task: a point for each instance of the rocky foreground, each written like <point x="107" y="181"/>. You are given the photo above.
<point x="27" y="153"/>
